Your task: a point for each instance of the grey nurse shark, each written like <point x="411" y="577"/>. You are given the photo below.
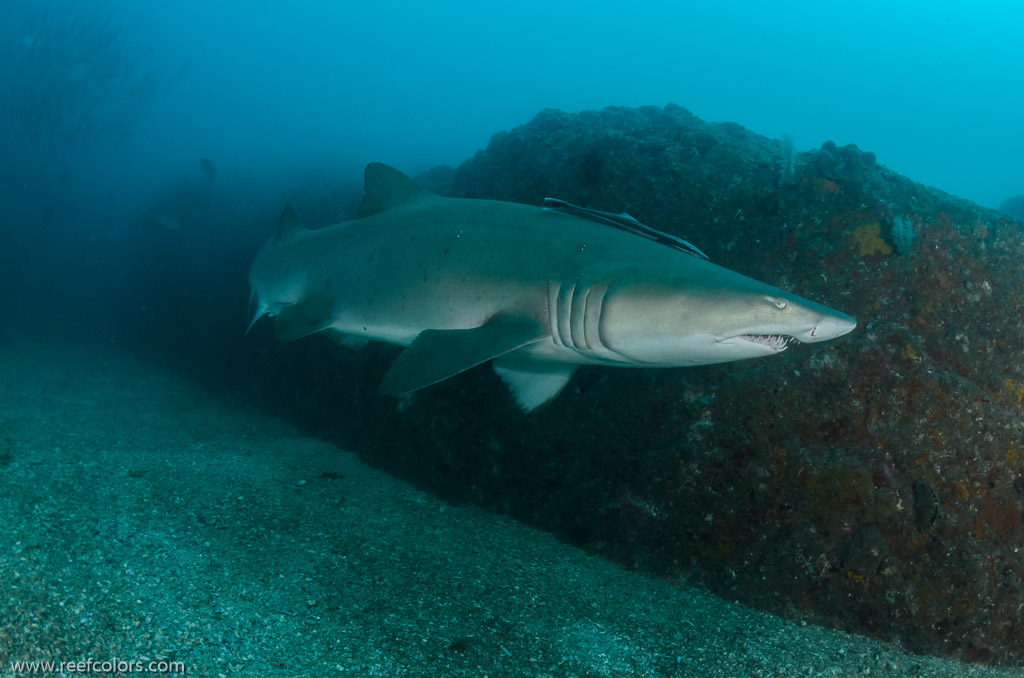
<point x="537" y="291"/>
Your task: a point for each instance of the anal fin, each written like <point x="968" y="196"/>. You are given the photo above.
<point x="348" y="342"/>
<point x="436" y="355"/>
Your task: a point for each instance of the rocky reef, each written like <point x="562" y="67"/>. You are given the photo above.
<point x="874" y="485"/>
<point x="1013" y="206"/>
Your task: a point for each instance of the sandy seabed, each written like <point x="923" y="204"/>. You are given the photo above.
<point x="145" y="519"/>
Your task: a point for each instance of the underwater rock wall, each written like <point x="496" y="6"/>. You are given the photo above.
<point x="874" y="484"/>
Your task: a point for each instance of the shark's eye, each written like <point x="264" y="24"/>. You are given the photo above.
<point x="779" y="303"/>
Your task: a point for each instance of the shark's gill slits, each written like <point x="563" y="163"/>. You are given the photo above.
<point x="776" y="342"/>
<point x="568" y="314"/>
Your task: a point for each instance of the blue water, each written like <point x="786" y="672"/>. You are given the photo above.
<point x="273" y="91"/>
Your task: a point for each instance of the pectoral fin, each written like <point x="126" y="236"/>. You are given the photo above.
<point x="436" y="355"/>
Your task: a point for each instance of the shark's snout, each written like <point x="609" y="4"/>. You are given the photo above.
<point x="832" y="326"/>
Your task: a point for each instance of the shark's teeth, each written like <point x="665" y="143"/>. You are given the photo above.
<point x="776" y="342"/>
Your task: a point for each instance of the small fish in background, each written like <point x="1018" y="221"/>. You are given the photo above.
<point x="537" y="291"/>
<point x="186" y="206"/>
<point x="209" y="172"/>
<point x="165" y="221"/>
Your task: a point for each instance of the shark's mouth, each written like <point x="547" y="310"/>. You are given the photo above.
<point x="776" y="342"/>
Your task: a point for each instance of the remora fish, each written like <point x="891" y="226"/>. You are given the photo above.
<point x="537" y="291"/>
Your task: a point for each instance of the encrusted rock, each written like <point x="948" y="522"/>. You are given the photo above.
<point x="871" y="485"/>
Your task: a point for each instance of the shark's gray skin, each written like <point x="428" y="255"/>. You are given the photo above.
<point x="537" y="291"/>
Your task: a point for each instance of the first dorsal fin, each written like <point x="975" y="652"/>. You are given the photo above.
<point x="288" y="225"/>
<point x="387" y="187"/>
